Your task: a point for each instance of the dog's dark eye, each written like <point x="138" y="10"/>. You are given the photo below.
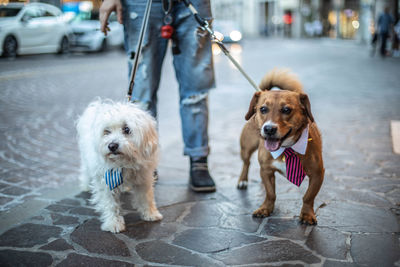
<point x="106" y="132"/>
<point x="286" y="110"/>
<point x="126" y="130"/>
<point x="263" y="110"/>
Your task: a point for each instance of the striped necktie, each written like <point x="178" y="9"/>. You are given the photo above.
<point x="294" y="170"/>
<point x="113" y="178"/>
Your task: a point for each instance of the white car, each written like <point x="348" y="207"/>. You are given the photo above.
<point x="87" y="34"/>
<point x="32" y="29"/>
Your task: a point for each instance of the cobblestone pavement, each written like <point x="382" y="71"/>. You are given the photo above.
<point x="46" y="221"/>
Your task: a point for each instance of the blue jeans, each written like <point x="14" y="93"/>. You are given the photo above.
<point x="193" y="66"/>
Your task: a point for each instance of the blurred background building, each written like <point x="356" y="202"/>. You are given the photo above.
<point x="347" y="19"/>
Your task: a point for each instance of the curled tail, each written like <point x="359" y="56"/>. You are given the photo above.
<point x="283" y="79"/>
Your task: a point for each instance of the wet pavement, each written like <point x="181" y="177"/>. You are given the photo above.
<point x="46" y="221"/>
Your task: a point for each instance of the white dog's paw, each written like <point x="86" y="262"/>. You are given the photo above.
<point x="84" y="187"/>
<point x="84" y="184"/>
<point x="152" y="216"/>
<point x="114" y="225"/>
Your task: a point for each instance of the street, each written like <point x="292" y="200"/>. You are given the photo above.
<point x="353" y="98"/>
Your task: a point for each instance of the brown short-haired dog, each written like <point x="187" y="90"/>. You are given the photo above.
<point x="280" y="125"/>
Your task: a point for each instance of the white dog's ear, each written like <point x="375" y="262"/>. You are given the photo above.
<point x="150" y="142"/>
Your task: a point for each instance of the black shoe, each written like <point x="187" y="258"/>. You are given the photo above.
<point x="200" y="179"/>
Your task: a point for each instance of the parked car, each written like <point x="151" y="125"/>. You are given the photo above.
<point x="32" y="28"/>
<point x="227" y="31"/>
<point x="87" y="34"/>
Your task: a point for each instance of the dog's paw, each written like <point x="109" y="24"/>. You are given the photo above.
<point x="152" y="216"/>
<point x="262" y="212"/>
<point x="84" y="186"/>
<point x="308" y="218"/>
<point x="114" y="225"/>
<point x="242" y="185"/>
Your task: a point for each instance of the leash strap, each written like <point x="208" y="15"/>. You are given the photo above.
<point x="206" y="26"/>
<point x="139" y="48"/>
<point x="167" y="6"/>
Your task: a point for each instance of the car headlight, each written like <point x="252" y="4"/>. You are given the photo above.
<point x="235" y="36"/>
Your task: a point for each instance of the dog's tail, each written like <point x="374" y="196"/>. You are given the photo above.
<point x="282" y="79"/>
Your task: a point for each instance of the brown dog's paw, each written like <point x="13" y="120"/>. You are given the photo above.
<point x="262" y="212"/>
<point x="308" y="218"/>
<point x="242" y="185"/>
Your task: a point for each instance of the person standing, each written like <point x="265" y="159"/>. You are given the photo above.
<point x="192" y="60"/>
<point x="385" y="23"/>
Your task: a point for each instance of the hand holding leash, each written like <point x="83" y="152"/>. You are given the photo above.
<point x="113" y="4"/>
<point x="206" y="26"/>
<point x="106" y="8"/>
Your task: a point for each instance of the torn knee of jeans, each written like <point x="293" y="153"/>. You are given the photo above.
<point x="142" y="64"/>
<point x="131" y="55"/>
<point x="131" y="48"/>
<point x="133" y="15"/>
<point x="196" y="110"/>
<point x="194" y="99"/>
<point x="144" y="71"/>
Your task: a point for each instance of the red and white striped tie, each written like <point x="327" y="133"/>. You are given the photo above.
<point x="294" y="170"/>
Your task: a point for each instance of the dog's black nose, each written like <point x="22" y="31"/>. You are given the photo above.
<point x="113" y="147"/>
<point x="270" y="130"/>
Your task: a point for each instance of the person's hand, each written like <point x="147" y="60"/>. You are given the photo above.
<point x="106" y="8"/>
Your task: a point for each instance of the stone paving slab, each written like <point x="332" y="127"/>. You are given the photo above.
<point x="206" y="232"/>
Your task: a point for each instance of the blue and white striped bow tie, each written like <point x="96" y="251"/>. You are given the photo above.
<point x="113" y="178"/>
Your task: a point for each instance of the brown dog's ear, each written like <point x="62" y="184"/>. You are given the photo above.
<point x="307" y="106"/>
<point x="252" y="106"/>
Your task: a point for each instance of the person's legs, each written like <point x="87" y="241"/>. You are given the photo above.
<point x="383" y="44"/>
<point x="195" y="74"/>
<point x="153" y="51"/>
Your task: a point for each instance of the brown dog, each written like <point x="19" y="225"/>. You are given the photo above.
<point x="280" y="121"/>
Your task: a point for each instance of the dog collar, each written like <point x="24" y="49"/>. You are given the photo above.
<point x="300" y="146"/>
<point x="275" y="89"/>
<point x="113" y="178"/>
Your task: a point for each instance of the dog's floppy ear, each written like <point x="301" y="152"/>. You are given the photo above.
<point x="307" y="106"/>
<point x="252" y="106"/>
<point x="149" y="142"/>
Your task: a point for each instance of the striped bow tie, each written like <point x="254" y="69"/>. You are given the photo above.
<point x="294" y="170"/>
<point x="113" y="178"/>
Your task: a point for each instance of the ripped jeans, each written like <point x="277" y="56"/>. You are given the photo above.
<point x="193" y="66"/>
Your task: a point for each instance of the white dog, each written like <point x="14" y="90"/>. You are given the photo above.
<point x="119" y="148"/>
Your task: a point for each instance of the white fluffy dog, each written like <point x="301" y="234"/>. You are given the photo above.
<point x="119" y="149"/>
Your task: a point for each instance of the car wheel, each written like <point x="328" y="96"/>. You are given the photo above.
<point x="10" y="46"/>
<point x="64" y="46"/>
<point x="104" y="46"/>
